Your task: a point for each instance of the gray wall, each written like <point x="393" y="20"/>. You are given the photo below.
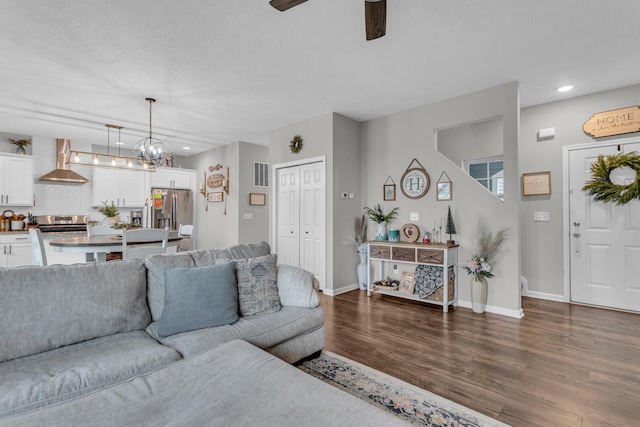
<point x="257" y="228"/>
<point x="215" y="229"/>
<point x="472" y="141"/>
<point x="542" y="251"/>
<point x="337" y="138"/>
<point x="391" y="142"/>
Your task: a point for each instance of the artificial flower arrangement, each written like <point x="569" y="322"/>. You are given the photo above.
<point x="489" y="246"/>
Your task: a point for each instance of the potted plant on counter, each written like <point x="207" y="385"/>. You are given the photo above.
<point x="110" y="212"/>
<point x="376" y="215"/>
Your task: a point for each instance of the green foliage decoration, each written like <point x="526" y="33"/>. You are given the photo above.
<point x="600" y="185"/>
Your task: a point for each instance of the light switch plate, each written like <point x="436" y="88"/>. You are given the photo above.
<point x="541" y="216"/>
<point x="248" y="216"/>
<point x="414" y="216"/>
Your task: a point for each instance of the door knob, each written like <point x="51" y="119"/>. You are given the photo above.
<point x="576" y="235"/>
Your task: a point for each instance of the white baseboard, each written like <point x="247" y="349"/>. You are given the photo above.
<point x="542" y="295"/>
<point x="344" y="289"/>
<point x="518" y="314"/>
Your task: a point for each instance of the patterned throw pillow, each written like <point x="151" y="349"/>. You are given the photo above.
<point x="257" y="287"/>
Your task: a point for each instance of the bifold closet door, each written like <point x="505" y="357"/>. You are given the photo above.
<point x="301" y="218"/>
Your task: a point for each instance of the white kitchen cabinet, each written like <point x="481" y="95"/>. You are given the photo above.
<point x="173" y="178"/>
<point x="125" y="188"/>
<point x="16" y="180"/>
<point x="15" y="250"/>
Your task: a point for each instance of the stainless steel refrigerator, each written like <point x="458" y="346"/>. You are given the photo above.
<point x="170" y="208"/>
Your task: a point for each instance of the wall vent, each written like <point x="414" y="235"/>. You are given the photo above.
<point x="260" y="174"/>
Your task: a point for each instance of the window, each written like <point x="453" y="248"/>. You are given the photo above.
<point x="489" y="172"/>
<point x="260" y="174"/>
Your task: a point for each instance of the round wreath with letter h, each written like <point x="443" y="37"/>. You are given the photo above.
<point x="601" y="187"/>
<point x="295" y="145"/>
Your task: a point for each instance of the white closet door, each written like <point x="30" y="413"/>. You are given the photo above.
<point x="289" y="216"/>
<point x="312" y="220"/>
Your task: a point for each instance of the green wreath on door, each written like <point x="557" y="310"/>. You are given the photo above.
<point x="600" y="185"/>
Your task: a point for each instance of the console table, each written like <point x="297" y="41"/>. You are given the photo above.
<point x="438" y="255"/>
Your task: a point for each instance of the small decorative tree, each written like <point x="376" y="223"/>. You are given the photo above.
<point x="451" y="227"/>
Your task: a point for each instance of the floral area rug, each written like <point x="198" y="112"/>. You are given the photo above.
<point x="416" y="406"/>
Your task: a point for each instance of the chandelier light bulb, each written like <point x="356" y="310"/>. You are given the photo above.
<point x="77" y="158"/>
<point x="95" y="159"/>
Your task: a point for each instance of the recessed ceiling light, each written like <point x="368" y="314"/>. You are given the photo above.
<point x="186" y="148"/>
<point x="119" y="143"/>
<point x="566" y="88"/>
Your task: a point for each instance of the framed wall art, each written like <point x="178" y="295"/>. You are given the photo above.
<point x="389" y="190"/>
<point x="443" y="187"/>
<point x="536" y="183"/>
<point x="217" y="196"/>
<point x="257" y="199"/>
<point x="407" y="283"/>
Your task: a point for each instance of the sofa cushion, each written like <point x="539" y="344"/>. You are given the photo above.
<point x="257" y="287"/>
<point x="156" y="264"/>
<point x="232" y="385"/>
<point x="262" y="330"/>
<point x="198" y="297"/>
<point x="296" y="287"/>
<point x="71" y="371"/>
<point x="250" y="250"/>
<point x="43" y="308"/>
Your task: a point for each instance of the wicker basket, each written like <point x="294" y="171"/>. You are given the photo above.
<point x="438" y="294"/>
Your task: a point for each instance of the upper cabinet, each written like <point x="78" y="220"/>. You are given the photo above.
<point x="173" y="178"/>
<point x="16" y="180"/>
<point x="127" y="189"/>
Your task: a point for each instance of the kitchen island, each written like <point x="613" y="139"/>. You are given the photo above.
<point x="101" y="245"/>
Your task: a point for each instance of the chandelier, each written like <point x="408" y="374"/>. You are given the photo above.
<point x="104" y="160"/>
<point x="150" y="152"/>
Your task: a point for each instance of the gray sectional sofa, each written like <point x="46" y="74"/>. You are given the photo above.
<point x="70" y="333"/>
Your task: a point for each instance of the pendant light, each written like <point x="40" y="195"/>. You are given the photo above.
<point x="150" y="152"/>
<point x="108" y="160"/>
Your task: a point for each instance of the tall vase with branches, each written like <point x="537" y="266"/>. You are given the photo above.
<point x="361" y="230"/>
<point x="480" y="265"/>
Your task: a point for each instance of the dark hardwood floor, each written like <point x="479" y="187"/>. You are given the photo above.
<point x="560" y="365"/>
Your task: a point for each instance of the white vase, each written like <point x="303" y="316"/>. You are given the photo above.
<point x="479" y="290"/>
<point x="381" y="232"/>
<point x="361" y="269"/>
<point x="110" y="220"/>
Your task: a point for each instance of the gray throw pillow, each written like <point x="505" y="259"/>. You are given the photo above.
<point x="257" y="287"/>
<point x="198" y="297"/>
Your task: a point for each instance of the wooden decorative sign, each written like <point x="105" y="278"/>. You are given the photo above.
<point x="613" y="122"/>
<point x="215" y="180"/>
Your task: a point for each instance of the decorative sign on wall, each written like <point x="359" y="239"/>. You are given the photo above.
<point x="536" y="183"/>
<point x="613" y="122"/>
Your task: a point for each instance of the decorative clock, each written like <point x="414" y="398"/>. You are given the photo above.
<point x="415" y="181"/>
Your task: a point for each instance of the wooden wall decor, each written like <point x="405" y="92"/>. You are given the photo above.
<point x="613" y="122"/>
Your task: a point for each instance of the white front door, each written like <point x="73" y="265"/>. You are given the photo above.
<point x="604" y="239"/>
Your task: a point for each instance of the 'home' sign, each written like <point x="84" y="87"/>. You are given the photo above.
<point x="614" y="122"/>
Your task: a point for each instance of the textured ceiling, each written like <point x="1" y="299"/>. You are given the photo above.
<point x="224" y="71"/>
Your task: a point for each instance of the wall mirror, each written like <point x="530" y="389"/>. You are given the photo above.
<point x="477" y="149"/>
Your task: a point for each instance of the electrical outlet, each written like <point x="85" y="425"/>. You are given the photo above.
<point x="414" y="216"/>
<point x="395" y="268"/>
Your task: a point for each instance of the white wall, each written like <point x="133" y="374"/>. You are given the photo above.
<point x="542" y="252"/>
<point x="390" y="143"/>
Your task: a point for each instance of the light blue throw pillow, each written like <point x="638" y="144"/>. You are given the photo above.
<point x="198" y="297"/>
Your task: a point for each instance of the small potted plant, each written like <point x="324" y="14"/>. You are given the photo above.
<point x="376" y="215"/>
<point x="110" y="212"/>
<point x="21" y="143"/>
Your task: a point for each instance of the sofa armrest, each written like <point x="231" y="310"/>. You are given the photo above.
<point x="297" y="287"/>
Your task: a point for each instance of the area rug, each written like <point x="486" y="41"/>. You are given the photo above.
<point x="413" y="404"/>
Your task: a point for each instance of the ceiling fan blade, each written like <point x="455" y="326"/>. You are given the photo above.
<point x="375" y="18"/>
<point x="283" y="5"/>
